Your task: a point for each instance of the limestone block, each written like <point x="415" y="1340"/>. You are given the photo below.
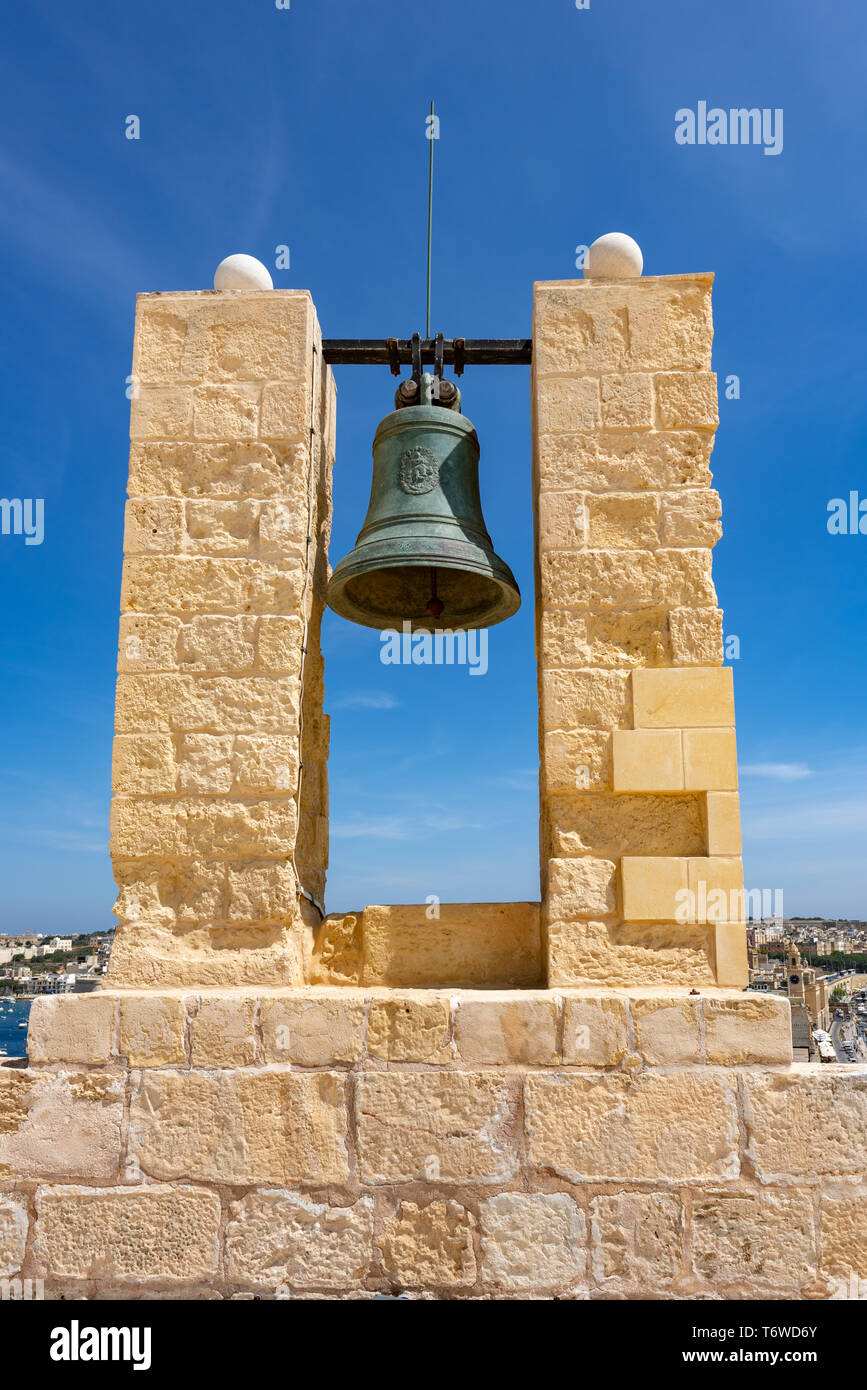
<point x="610" y="955"/>
<point x="188" y="829"/>
<point x="409" y="1027"/>
<point x="265" y="764"/>
<point x="583" y="887"/>
<point x="502" y="1030"/>
<point x="730" y="955"/>
<point x="627" y="401"/>
<point x="567" y="404"/>
<point x="622" y="460"/>
<point x="654" y="1127"/>
<point x="279" y="644"/>
<point x="723" y="876"/>
<point x="148" y="643"/>
<point x="686" y="698"/>
<point x="206" y="704"/>
<point x="285" y="411"/>
<point x="159" y="343"/>
<point x="765" y="1238"/>
<point x="623" y="520"/>
<point x="577" y="759"/>
<point x="696" y="636"/>
<point x="723" y="823"/>
<point x="265" y="336"/>
<point x="807" y="1122"/>
<point x="710" y="759"/>
<point x="220" y="526"/>
<point x="747" y="1030"/>
<point x="653" y="888"/>
<point x="261" y="892"/>
<point x="224" y="644"/>
<point x="276" y="1238"/>
<point x="13" y="1236"/>
<point x="648" y="760"/>
<point x="143" y="1236"/>
<point x="70" y="1028"/>
<point x="241" y="1127"/>
<point x="239" y="468"/>
<point x="655" y="323"/>
<point x="436" y="1126"/>
<point x="319" y="1029"/>
<point x="594" y="1031"/>
<point x="60" y="1125"/>
<point x="533" y="1240"/>
<point x="143" y="764"/>
<point x="432" y="1245"/>
<point x="610" y="826"/>
<point x="199" y="584"/>
<point x="691" y="517"/>
<point x="152" y="1030"/>
<point x="469" y="946"/>
<point x="205" y="763"/>
<point x="226" y="412"/>
<point x="222" y="1031"/>
<point x="686" y="401"/>
<point x="585" y="699"/>
<point x="562" y="521"/>
<point x="621" y="639"/>
<point x="161" y="412"/>
<point x="153" y="526"/>
<point x="153" y="954"/>
<point x="844" y="1236"/>
<point x="667" y="1030"/>
<point x="636" y="1240"/>
<point x="627" y="579"/>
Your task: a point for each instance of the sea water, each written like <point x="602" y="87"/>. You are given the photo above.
<point x="13" y="1040"/>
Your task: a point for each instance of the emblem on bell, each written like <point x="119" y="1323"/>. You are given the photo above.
<point x="423" y="552"/>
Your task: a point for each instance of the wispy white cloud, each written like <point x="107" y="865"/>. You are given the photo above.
<point x="777" y="772"/>
<point x="377" y="699"/>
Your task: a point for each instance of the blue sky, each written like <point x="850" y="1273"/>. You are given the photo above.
<point x="262" y="127"/>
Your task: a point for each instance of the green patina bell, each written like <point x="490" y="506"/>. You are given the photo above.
<point x="423" y="555"/>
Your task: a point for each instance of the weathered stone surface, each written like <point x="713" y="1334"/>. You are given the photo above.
<point x="691" y="518"/>
<point x="238" y="468"/>
<point x="140" y="1235"/>
<point x="161" y="412"/>
<point x="217" y="643"/>
<point x="502" y="1030"/>
<point x="276" y="1238"/>
<point x="594" y="1031"/>
<point x="747" y="1030"/>
<point x="470" y="945"/>
<point x="532" y="1241"/>
<point x="151" y="1030"/>
<point x="686" y="401"/>
<point x="765" y="1237"/>
<point x="313" y="1030"/>
<point x="567" y="404"/>
<point x="187" y="829"/>
<point x="622" y="461"/>
<point x="611" y="826"/>
<point x="432" y="1245"/>
<point x="627" y="401"/>
<point x="60" y="1125"/>
<point x="260" y="891"/>
<point x="626" y="579"/>
<point x="585" y="699"/>
<point x="696" y="636"/>
<point x="667" y="1031"/>
<point x="613" y="954"/>
<point x="268" y="1126"/>
<point x="807" y="1122"/>
<point x="190" y="584"/>
<point x="654" y="1127"/>
<point x="636" y="1241"/>
<point x="638" y="637"/>
<point x="13" y="1235"/>
<point x="577" y="759"/>
<point x="70" y="1028"/>
<point x="435" y="1126"/>
<point x="655" y="323"/>
<point x="222" y="1032"/>
<point x="206" y="704"/>
<point x="226" y="412"/>
<point x="148" y="643"/>
<point x="409" y="1027"/>
<point x="143" y="764"/>
<point x="583" y="887"/>
<point x="844" y="1236"/>
<point x="623" y="521"/>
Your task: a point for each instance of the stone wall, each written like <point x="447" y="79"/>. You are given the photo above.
<point x="220" y="781"/>
<point x="638" y="781"/>
<point x="339" y="1143"/>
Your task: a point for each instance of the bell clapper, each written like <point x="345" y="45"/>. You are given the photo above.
<point x="435" y="604"/>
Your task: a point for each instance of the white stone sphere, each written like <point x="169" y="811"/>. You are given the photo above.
<point x="242" y="273"/>
<point x="614" y="256"/>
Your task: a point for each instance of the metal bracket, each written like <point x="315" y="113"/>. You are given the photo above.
<point x="417" y="352"/>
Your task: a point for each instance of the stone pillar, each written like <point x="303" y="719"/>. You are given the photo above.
<point x="640" y="836"/>
<point x="220" y="811"/>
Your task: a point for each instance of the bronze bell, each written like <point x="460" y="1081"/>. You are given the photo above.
<point x="423" y="555"/>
